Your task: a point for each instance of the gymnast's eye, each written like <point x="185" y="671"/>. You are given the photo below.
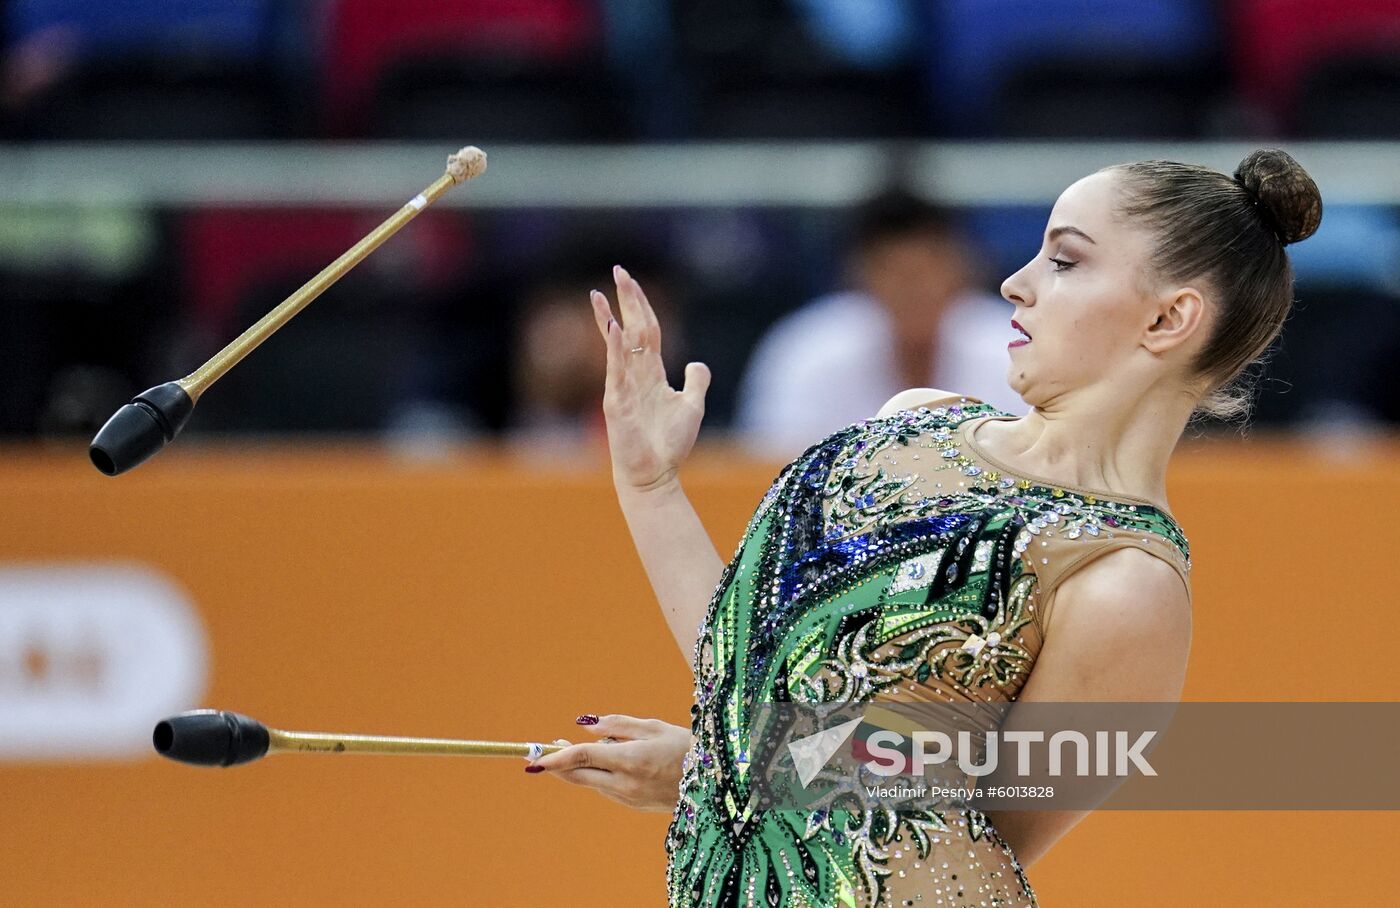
<point x="1061" y="264"/>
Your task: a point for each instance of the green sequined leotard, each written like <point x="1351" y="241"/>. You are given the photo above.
<point x="989" y="545"/>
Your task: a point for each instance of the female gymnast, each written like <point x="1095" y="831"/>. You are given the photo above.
<point x="1156" y="285"/>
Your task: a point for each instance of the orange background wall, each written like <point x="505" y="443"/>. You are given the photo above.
<point x="483" y="597"/>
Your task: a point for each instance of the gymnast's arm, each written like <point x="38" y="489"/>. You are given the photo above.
<point x="1121" y="632"/>
<point x="651" y="429"/>
<point x="680" y="560"/>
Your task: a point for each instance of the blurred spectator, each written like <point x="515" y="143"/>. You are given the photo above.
<point x="914" y="320"/>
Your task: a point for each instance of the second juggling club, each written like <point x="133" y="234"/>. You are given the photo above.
<point x="208" y="737"/>
<point x="154" y="417"/>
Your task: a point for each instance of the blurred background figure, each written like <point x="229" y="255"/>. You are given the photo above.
<point x="913" y="318"/>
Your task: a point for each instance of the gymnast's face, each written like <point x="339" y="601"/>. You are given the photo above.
<point x="1086" y="300"/>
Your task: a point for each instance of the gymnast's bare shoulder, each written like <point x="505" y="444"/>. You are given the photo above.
<point x="914" y="397"/>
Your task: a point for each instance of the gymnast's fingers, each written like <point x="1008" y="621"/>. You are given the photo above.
<point x="607" y="325"/>
<point x="624" y="728"/>
<point x="612" y="337"/>
<point x="640" y="331"/>
<point x="697" y="382"/>
<point x="600" y="779"/>
<point x="641" y="339"/>
<point x="611" y="785"/>
<point x="646" y="312"/>
<point x="602" y="311"/>
<point x="597" y="756"/>
<point x="627" y="305"/>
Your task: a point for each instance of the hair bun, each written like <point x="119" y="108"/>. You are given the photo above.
<point x="1288" y="198"/>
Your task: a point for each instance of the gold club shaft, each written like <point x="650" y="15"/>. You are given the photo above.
<point x="322" y="742"/>
<point x="197" y="381"/>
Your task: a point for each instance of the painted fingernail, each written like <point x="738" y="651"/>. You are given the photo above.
<point x="587" y="719"/>
<point x="610" y="324"/>
<point x="534" y="769"/>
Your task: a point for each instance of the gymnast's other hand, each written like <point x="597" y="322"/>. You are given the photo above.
<point x="639" y="767"/>
<point x="651" y="426"/>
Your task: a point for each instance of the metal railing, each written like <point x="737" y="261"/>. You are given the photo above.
<point x="807" y="174"/>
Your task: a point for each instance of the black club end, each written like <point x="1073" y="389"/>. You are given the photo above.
<point x="141" y="428"/>
<point x="209" y="737"/>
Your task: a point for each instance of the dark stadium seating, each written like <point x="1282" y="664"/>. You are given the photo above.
<point x="756" y="70"/>
<point x="153" y="98"/>
<point x="1276" y="46"/>
<point x="148" y="69"/>
<point x="503" y="100"/>
<point x="974" y="47"/>
<point x="1107" y="97"/>
<point x="1351" y="97"/>
<point x="367" y="40"/>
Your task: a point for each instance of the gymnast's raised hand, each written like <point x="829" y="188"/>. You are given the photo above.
<point x="651" y="426"/>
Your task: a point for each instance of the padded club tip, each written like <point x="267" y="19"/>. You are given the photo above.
<point x="210" y="737"/>
<point x="141" y="428"/>
<point x="466" y="164"/>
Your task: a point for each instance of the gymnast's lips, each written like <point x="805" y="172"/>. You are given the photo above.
<point x="1019" y="343"/>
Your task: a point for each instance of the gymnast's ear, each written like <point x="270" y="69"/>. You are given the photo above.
<point x="1177" y="316"/>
